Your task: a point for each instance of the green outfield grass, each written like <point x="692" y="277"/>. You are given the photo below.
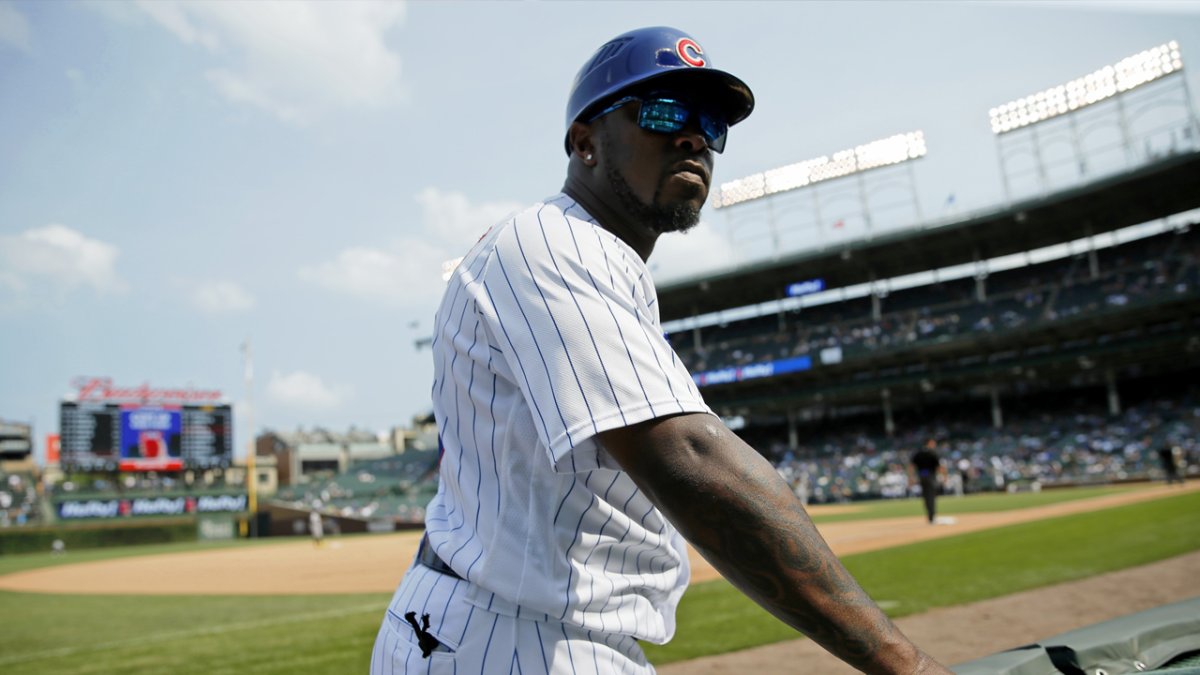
<point x="188" y="634"/>
<point x="976" y="503"/>
<point x="333" y="634"/>
<point x="715" y="618"/>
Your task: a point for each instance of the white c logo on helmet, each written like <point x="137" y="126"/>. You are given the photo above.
<point x="690" y="52"/>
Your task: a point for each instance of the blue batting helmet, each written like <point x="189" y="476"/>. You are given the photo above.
<point x="647" y="54"/>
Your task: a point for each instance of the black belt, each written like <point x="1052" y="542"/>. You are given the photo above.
<point x="429" y="558"/>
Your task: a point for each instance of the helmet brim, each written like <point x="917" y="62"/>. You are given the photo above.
<point x="706" y="85"/>
<point x="728" y="93"/>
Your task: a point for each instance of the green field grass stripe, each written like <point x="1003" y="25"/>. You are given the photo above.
<point x="48" y="634"/>
<point x="715" y="618"/>
<point x="193" y="633"/>
<point x="990" y="502"/>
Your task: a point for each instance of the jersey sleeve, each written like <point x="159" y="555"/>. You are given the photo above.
<point x="572" y="308"/>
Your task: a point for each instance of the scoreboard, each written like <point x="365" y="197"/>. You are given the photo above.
<point x="105" y="436"/>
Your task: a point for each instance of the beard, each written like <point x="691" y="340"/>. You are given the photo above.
<point x="679" y="217"/>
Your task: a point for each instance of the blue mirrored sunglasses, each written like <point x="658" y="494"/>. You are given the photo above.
<point x="666" y="115"/>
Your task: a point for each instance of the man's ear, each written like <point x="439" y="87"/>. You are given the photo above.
<point x="582" y="140"/>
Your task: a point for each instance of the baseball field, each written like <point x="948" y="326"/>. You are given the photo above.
<point x="1008" y="570"/>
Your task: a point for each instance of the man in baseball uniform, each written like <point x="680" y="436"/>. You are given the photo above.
<point x="575" y="447"/>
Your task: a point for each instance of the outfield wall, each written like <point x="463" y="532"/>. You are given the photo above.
<point x="99" y="534"/>
<point x="94" y="520"/>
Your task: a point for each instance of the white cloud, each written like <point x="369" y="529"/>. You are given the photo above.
<point x="174" y="17"/>
<point x="57" y="259"/>
<point x="240" y="90"/>
<point x="454" y="220"/>
<point x="305" y="391"/>
<point x="14" y="28"/>
<point x="294" y="60"/>
<point x="365" y="272"/>
<point x="409" y="272"/>
<point x="218" y="297"/>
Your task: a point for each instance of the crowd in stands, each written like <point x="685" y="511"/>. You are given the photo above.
<point x="1074" y="445"/>
<point x="1039" y="445"/>
<point x="1143" y="271"/>
<point x="396" y="488"/>
<point x="19" y="502"/>
<point x="1071" y="444"/>
<point x="141" y="483"/>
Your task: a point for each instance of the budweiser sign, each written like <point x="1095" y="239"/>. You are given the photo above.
<point x="101" y="389"/>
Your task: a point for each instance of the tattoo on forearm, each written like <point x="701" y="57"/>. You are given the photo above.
<point x="765" y="543"/>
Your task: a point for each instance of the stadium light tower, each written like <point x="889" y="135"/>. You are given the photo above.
<point x="1110" y="83"/>
<point x="1126" y="74"/>
<point x="252" y="446"/>
<point x="873" y="155"/>
<point x="856" y="162"/>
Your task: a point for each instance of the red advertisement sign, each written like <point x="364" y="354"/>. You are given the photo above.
<point x="102" y="390"/>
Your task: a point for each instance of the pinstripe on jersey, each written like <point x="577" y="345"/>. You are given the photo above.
<point x="477" y="641"/>
<point x="547" y="335"/>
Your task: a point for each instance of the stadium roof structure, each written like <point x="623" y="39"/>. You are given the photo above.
<point x="1148" y="192"/>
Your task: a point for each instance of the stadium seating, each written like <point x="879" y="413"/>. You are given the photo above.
<point x="1139" y="272"/>
<point x="20" y="503"/>
<point x="1073" y="445"/>
<point x="396" y="488"/>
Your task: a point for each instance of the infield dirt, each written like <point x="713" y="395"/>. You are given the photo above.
<point x="375" y="563"/>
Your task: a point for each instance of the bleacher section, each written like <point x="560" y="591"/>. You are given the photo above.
<point x="1051" y="433"/>
<point x="1156" y="269"/>
<point x="1077" y="442"/>
<point x="391" y="488"/>
<point x="105" y="485"/>
<point x="19" y="500"/>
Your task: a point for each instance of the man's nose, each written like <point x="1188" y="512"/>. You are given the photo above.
<point x="691" y="139"/>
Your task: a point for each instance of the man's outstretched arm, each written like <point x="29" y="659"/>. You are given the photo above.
<point x="730" y="503"/>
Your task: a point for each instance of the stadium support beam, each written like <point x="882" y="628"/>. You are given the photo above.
<point x="889" y="424"/>
<point x="876" y="302"/>
<point x="793" y="432"/>
<point x="997" y="412"/>
<point x="981" y="275"/>
<point x="251" y="445"/>
<point x="1093" y="257"/>
<point x="1114" y="396"/>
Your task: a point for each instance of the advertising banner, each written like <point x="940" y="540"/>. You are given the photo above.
<point x="753" y="371"/>
<point x="52" y="449"/>
<point x="119" y="507"/>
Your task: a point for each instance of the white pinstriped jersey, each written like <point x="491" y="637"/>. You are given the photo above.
<point x="547" y="335"/>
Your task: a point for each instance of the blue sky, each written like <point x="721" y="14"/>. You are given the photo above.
<point x="178" y="177"/>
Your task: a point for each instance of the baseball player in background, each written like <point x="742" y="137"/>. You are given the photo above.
<point x="575" y="446"/>
<point x="316" y="528"/>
